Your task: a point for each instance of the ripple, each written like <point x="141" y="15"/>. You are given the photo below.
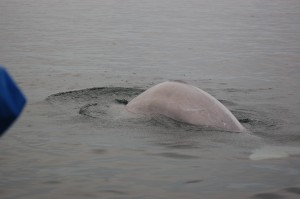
<point x="105" y="106"/>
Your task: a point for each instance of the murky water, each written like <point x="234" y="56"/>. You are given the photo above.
<point x="76" y="59"/>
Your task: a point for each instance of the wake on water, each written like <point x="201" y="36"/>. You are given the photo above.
<point x="105" y="106"/>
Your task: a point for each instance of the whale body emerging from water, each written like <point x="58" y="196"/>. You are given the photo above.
<point x="185" y="103"/>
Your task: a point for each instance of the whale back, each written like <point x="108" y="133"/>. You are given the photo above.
<point x="185" y="103"/>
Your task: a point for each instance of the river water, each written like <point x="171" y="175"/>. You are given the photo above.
<point x="73" y="59"/>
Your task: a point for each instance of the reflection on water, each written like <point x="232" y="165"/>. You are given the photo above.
<point x="81" y="144"/>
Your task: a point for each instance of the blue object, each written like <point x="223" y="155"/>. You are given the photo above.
<point x="12" y="101"/>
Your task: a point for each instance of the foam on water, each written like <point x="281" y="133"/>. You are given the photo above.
<point x="272" y="152"/>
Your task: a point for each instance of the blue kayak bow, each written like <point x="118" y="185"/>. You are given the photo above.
<point x="12" y="101"/>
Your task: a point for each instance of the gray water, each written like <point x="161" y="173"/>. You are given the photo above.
<point x="81" y="144"/>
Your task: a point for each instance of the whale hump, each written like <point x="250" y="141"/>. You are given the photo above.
<point x="185" y="103"/>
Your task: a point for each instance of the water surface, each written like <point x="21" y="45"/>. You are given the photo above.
<point x="79" y="144"/>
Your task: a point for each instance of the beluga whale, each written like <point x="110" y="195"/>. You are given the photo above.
<point x="185" y="103"/>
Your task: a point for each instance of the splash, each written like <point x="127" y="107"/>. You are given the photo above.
<point x="274" y="152"/>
